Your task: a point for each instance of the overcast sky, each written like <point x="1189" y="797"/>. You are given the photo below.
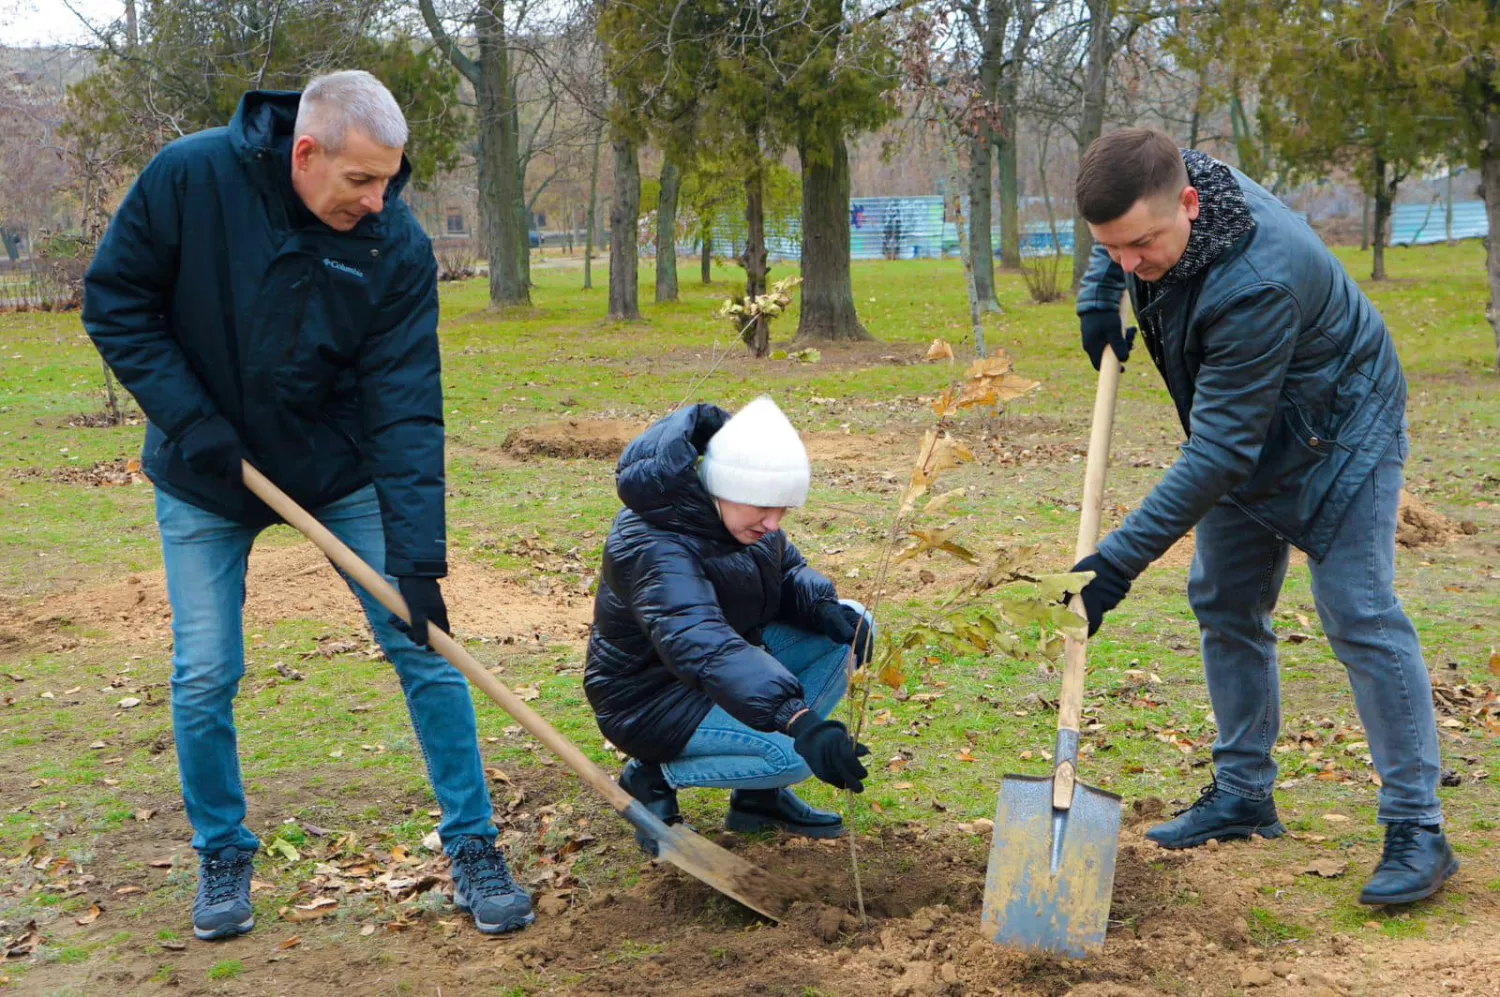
<point x="50" y="22"/>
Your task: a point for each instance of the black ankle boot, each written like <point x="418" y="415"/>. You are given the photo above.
<point x="648" y="784"/>
<point x="1417" y="861"/>
<point x="762" y="809"/>
<point x="1219" y="815"/>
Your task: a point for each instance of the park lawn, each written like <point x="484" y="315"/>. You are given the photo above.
<point x="325" y="741"/>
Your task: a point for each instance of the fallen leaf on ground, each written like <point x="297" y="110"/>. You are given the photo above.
<point x="939" y="350"/>
<point x="160" y="864"/>
<point x="129" y="702"/>
<point x="89" y="916"/>
<point x="317" y="903"/>
<point x="289" y="943"/>
<point x="145" y="815"/>
<point x="1335" y="818"/>
<point x="174" y="946"/>
<point x="1495" y="661"/>
<point x="367" y="930"/>
<point x="126" y="891"/>
<point x="432" y="842"/>
<point x="527" y="693"/>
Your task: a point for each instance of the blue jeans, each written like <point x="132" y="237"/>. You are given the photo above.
<point x="206" y="557"/>
<point x="1236" y="577"/>
<point x="723" y="753"/>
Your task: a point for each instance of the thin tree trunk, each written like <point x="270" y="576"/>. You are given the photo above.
<point x="132" y="29"/>
<point x="111" y="399"/>
<point x="523" y="210"/>
<point x="981" y="168"/>
<point x="666" y="232"/>
<point x="1010" y="197"/>
<point x="1007" y="130"/>
<point x="498" y="193"/>
<point x="976" y="321"/>
<point x="1095" y="90"/>
<point x="754" y="258"/>
<point x="588" y="238"/>
<point x="1364" y="223"/>
<point x="624" y="222"/>
<point x="1448" y="205"/>
<point x="706" y="255"/>
<point x="1489" y="178"/>
<point x="1382" y="213"/>
<point x="828" y="310"/>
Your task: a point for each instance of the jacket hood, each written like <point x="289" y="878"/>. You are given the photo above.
<point x="265" y="116"/>
<point x="657" y="477"/>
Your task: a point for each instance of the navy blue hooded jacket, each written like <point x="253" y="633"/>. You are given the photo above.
<point x="682" y="603"/>
<point x="215" y="291"/>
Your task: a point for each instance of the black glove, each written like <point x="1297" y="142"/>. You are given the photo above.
<point x="1110" y="585"/>
<point x="842" y="624"/>
<point x="1101" y="329"/>
<point x="829" y="751"/>
<point x="424" y="601"/>
<point x="213" y="447"/>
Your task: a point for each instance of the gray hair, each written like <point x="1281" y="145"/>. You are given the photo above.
<point x="337" y="102"/>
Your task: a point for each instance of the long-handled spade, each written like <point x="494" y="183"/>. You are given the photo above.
<point x="1052" y="861"/>
<point x="693" y="854"/>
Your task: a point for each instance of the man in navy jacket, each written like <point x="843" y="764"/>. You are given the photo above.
<point x="1287" y="384"/>
<point x="265" y="295"/>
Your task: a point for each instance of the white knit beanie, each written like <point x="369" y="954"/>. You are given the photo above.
<point x="758" y="459"/>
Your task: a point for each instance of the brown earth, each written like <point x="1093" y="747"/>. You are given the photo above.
<point x="1180" y="924"/>
<point x="297" y="582"/>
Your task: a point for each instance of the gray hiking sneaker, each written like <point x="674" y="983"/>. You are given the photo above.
<point x="222" y="909"/>
<point x="482" y="886"/>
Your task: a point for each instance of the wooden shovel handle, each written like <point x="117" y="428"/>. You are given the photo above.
<point x="1075" y="650"/>
<point x="373" y="582"/>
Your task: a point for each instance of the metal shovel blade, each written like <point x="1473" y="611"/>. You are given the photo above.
<point x="705" y="861"/>
<point x="1051" y="872"/>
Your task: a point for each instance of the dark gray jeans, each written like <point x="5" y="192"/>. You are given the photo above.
<point x="1236" y="577"/>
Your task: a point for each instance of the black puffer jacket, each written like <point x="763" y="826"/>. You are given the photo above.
<point x="682" y="604"/>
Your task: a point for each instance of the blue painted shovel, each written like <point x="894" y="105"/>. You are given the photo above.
<point x="1052" y="861"/>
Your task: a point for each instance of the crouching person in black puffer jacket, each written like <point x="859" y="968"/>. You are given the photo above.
<point x="717" y="654"/>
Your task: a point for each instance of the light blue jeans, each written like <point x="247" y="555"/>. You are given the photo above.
<point x="1235" y="579"/>
<point x="206" y="558"/>
<point x="725" y="754"/>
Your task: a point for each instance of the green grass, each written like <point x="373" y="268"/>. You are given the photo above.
<point x="227" y="969"/>
<point x="301" y="744"/>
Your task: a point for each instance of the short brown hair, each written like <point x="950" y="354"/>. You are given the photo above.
<point x="1124" y="166"/>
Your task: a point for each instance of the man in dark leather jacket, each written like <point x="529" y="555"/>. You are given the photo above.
<point x="265" y="295"/>
<point x="1288" y="386"/>
<point x="717" y="654"/>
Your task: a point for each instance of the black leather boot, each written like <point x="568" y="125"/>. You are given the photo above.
<point x="1219" y="815"/>
<point x="648" y="784"/>
<point x="1417" y="861"/>
<point x="762" y="809"/>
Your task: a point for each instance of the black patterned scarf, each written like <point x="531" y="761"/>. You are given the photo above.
<point x="1223" y="216"/>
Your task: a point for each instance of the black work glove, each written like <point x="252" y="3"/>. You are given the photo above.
<point x="1109" y="587"/>
<point x="842" y="624"/>
<point x="213" y="447"/>
<point x="424" y="601"/>
<point x="829" y="751"/>
<point x="1101" y="329"/>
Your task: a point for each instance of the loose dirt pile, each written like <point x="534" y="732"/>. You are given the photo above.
<point x="296" y="582"/>
<point x="574" y="439"/>
<point x="1417" y="525"/>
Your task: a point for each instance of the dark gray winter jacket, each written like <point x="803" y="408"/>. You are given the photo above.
<point x="1284" y="376"/>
